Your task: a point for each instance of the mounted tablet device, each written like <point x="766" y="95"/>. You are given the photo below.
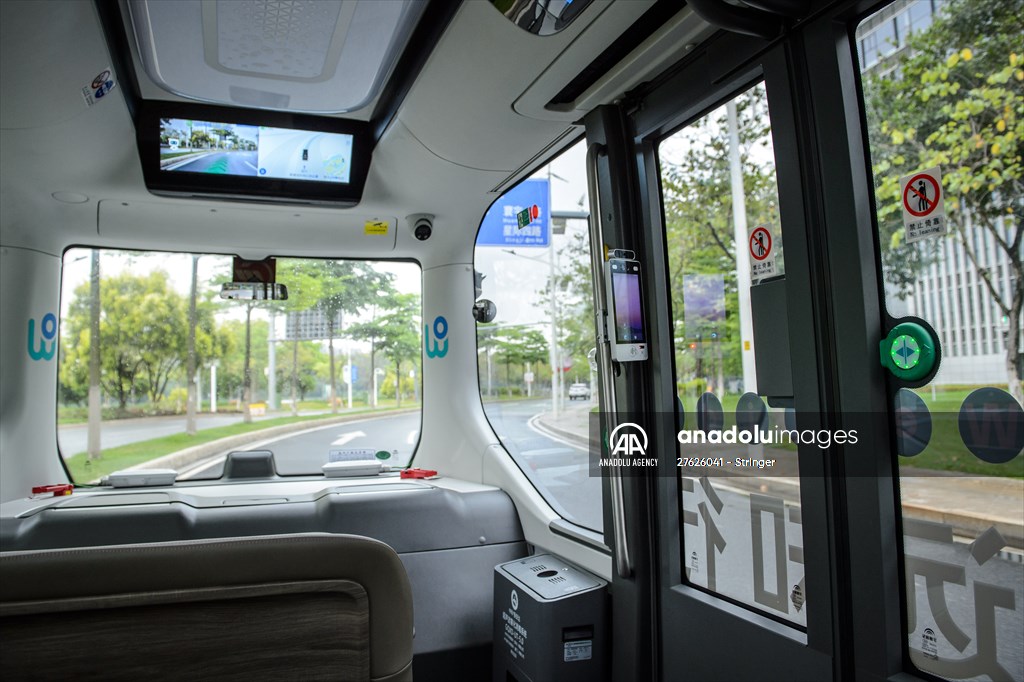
<point x="209" y="151"/>
<point x="626" y="330"/>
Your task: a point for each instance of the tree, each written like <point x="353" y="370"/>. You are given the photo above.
<point x="519" y="349"/>
<point x="237" y="364"/>
<point x="190" y="365"/>
<point x="345" y="287"/>
<point x="575" y="288"/>
<point x="400" y="337"/>
<point x="697" y="188"/>
<point x="304" y="291"/>
<point x="142" y="335"/>
<point x="956" y="100"/>
<point x="302" y="369"/>
<point x="374" y="328"/>
<point x="95" y="361"/>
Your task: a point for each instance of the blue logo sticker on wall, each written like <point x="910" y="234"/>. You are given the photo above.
<point x="433" y="347"/>
<point x="46" y="347"/>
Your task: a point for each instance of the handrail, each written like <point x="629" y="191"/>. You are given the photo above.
<point x="620" y="543"/>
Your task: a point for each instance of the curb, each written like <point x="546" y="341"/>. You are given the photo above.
<point x="563" y="433"/>
<point x="963" y="523"/>
<point x="189" y="456"/>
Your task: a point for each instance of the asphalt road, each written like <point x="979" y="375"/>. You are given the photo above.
<point x="73" y="439"/>
<point x="558" y="468"/>
<point x="306" y="451"/>
<point x="231" y="163"/>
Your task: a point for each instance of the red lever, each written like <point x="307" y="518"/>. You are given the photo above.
<point x="58" y="489"/>
<point x="417" y="473"/>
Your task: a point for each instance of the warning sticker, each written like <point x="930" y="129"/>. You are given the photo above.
<point x="924" y="212"/>
<point x="99" y="88"/>
<point x="376" y="227"/>
<point x="762" y="253"/>
<point x="580" y="650"/>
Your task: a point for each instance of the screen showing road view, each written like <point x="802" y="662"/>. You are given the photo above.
<point x="259" y="151"/>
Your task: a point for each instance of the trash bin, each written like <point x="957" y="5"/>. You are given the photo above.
<point x="550" y="622"/>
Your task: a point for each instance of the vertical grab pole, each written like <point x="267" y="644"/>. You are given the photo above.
<point x="623" y="563"/>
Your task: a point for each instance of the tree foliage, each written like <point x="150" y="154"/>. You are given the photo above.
<point x="955" y="99"/>
<point x="400" y="338"/>
<point x="698" y="205"/>
<point x="143" y="334"/>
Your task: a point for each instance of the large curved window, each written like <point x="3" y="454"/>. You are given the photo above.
<point x="331" y="370"/>
<point x="533" y="251"/>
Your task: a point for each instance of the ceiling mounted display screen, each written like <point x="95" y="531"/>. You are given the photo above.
<point x="203" y="150"/>
<point x="195" y="146"/>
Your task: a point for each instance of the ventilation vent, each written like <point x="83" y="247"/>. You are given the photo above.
<point x="638" y="32"/>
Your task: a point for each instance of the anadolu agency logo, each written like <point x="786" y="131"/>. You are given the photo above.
<point x="627" y="444"/>
<point x="628" y="440"/>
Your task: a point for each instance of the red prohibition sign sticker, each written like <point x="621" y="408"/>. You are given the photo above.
<point x="921" y="195"/>
<point x="100" y="79"/>
<point x="760" y="243"/>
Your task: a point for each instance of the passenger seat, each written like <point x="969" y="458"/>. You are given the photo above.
<point x="310" y="606"/>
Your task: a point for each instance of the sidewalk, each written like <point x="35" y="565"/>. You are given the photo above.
<point x="971" y="505"/>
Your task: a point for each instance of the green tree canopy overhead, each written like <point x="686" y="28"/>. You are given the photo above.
<point x="956" y="100"/>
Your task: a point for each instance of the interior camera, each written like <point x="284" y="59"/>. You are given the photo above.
<point x="423" y="229"/>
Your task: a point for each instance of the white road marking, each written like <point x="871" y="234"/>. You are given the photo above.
<point x="534" y="426"/>
<point x="411" y="438"/>
<point x="249" y="165"/>
<point x="346" y="437"/>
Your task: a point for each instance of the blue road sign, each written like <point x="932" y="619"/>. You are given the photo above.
<point x="500" y="226"/>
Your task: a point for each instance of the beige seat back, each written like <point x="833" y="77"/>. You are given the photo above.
<point x="309" y="606"/>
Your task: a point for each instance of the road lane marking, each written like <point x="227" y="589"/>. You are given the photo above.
<point x="536" y="428"/>
<point x="346" y="437"/>
<point x="411" y="438"/>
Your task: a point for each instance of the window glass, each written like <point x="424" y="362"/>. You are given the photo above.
<point x="335" y="367"/>
<point x="945" y="117"/>
<point x="533" y="252"/>
<point x="742" y="535"/>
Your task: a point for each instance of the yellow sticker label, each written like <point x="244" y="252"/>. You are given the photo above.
<point x="376" y="227"/>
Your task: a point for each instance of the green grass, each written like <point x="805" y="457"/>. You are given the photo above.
<point x="171" y="155"/>
<point x="133" y="454"/>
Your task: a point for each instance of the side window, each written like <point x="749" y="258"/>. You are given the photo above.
<point x="537" y="387"/>
<point x="742" y="536"/>
<point x="945" y="119"/>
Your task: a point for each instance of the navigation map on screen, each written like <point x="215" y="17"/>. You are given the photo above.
<point x="258" y="151"/>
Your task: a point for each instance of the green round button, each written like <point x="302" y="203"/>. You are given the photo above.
<point x="908" y="351"/>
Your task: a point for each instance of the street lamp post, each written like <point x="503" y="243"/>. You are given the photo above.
<point x="213" y="385"/>
<point x="377" y="372"/>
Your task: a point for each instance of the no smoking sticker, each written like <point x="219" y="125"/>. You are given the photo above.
<point x="762" y="253"/>
<point x="924" y="212"/>
<point x="99" y="88"/>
